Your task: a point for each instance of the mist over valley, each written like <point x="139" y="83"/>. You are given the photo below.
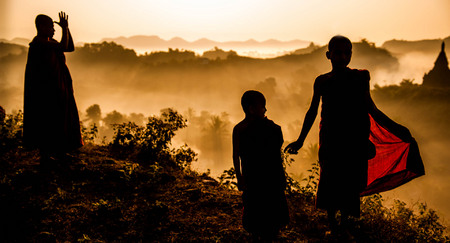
<point x="204" y="80"/>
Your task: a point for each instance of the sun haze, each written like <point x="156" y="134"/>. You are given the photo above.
<point x="223" y="20"/>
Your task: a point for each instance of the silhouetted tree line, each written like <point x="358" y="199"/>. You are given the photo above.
<point x="108" y="52"/>
<point x="104" y="52"/>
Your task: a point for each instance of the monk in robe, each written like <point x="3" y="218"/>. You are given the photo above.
<point x="51" y="121"/>
<point x="259" y="170"/>
<point x="361" y="150"/>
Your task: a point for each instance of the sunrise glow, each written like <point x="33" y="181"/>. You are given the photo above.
<point x="223" y="20"/>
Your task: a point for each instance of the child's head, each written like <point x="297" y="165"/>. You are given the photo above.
<point x="44" y="26"/>
<point x="339" y="51"/>
<point x="254" y="104"/>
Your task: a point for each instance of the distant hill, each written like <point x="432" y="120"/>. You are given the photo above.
<point x="17" y="41"/>
<point x="431" y="46"/>
<point x="9" y="48"/>
<point x="155" y="42"/>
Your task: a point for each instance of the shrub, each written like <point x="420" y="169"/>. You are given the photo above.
<point x="228" y="179"/>
<point x="11" y="132"/>
<point x="151" y="143"/>
<point x="400" y="223"/>
<point x="89" y="134"/>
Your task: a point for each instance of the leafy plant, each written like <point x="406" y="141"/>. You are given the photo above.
<point x="400" y="222"/>
<point x="184" y="156"/>
<point x="228" y="178"/>
<point x="151" y="143"/>
<point x="312" y="181"/>
<point x="89" y="134"/>
<point x="11" y="131"/>
<point x="293" y="186"/>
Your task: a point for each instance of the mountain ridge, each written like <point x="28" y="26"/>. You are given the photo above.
<point x="152" y="41"/>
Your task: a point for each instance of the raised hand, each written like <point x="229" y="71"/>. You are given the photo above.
<point x="293" y="148"/>
<point x="63" y="20"/>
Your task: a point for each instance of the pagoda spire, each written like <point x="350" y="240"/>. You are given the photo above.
<point x="439" y="76"/>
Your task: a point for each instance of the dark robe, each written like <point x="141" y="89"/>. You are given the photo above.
<point x="51" y="121"/>
<point x="357" y="155"/>
<point x="265" y="206"/>
<point x="343" y="140"/>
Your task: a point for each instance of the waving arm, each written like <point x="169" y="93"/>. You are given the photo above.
<point x="66" y="39"/>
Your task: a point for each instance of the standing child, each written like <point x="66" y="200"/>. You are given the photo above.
<point x="257" y="160"/>
<point x="344" y="145"/>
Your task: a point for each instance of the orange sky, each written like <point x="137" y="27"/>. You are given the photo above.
<point x="222" y="20"/>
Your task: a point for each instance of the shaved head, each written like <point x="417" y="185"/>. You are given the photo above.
<point x="43" y="21"/>
<point x="338" y="40"/>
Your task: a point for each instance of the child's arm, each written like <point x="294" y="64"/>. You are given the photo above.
<point x="310" y="117"/>
<point x="237" y="160"/>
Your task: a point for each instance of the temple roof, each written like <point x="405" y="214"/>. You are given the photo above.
<point x="442" y="58"/>
<point x="439" y="76"/>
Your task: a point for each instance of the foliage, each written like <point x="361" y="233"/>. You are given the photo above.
<point x="295" y="187"/>
<point x="151" y="143"/>
<point x="184" y="156"/>
<point x="228" y="179"/>
<point x="312" y="181"/>
<point x="11" y="131"/>
<point x="218" y="54"/>
<point x="292" y="186"/>
<point x="94" y="113"/>
<point x="400" y="222"/>
<point x="160" y="130"/>
<point x="114" y="117"/>
<point x="171" y="56"/>
<point x="89" y="134"/>
<point x="108" y="52"/>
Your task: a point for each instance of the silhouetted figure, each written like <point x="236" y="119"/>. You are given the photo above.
<point x="352" y="132"/>
<point x="51" y="121"/>
<point x="257" y="160"/>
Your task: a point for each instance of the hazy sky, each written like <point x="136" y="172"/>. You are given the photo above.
<point x="222" y="20"/>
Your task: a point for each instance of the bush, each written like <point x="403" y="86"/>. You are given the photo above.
<point x="11" y="132"/>
<point x="89" y="134"/>
<point x="400" y="223"/>
<point x="151" y="143"/>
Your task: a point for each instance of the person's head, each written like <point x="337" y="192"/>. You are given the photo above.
<point x="44" y="26"/>
<point x="254" y="104"/>
<point x="339" y="51"/>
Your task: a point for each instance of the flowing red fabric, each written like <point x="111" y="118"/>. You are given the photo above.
<point x="396" y="161"/>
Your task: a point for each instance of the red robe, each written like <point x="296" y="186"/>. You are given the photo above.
<point x="51" y="121"/>
<point x="396" y="161"/>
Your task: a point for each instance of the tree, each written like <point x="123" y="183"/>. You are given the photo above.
<point x="94" y="114"/>
<point x="114" y="117"/>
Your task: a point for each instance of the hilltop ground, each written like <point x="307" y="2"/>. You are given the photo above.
<point x="139" y="189"/>
<point x="93" y="196"/>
